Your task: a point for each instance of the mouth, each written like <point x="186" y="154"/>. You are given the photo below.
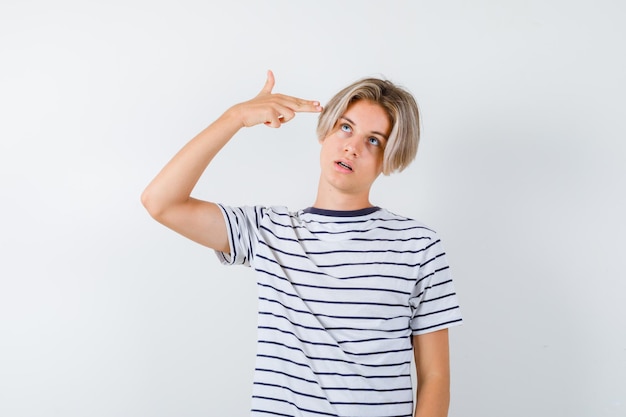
<point x="344" y="165"/>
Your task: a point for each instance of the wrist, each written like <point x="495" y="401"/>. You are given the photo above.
<point x="233" y="117"/>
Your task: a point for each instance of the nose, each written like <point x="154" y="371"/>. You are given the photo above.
<point x="353" y="145"/>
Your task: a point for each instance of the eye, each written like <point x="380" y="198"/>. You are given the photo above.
<point x="373" y="141"/>
<point x="345" y="128"/>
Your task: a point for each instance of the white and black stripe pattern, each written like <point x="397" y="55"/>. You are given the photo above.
<point x="340" y="295"/>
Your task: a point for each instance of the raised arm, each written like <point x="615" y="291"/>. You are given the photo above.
<point x="168" y="197"/>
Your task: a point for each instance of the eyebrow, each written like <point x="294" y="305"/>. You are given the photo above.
<point x="374" y="131"/>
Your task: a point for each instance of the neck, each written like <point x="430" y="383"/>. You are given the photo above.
<point x="333" y="199"/>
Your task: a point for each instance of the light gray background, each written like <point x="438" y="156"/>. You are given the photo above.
<point x="103" y="312"/>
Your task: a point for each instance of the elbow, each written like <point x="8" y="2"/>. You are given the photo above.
<point x="151" y="204"/>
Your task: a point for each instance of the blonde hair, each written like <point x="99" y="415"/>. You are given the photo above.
<point x="403" y="114"/>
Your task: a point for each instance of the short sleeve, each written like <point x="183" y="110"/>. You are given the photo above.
<point x="242" y="225"/>
<point x="434" y="299"/>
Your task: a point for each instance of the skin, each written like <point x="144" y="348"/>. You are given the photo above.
<point x="357" y="141"/>
<point x="432" y="362"/>
<point x="351" y="157"/>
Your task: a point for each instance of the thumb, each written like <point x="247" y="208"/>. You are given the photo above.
<point x="269" y="83"/>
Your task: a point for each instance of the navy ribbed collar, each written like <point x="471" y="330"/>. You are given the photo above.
<point x="341" y="213"/>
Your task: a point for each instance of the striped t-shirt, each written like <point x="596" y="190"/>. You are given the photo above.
<point x="340" y="295"/>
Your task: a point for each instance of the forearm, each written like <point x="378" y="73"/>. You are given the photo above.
<point x="433" y="397"/>
<point x="432" y="363"/>
<point x="174" y="184"/>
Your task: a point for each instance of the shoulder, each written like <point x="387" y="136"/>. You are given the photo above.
<point x="408" y="224"/>
<point x="259" y="214"/>
<point x="262" y="210"/>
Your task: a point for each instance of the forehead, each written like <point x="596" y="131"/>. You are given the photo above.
<point x="368" y="116"/>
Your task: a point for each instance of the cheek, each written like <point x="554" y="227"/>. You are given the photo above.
<point x="325" y="150"/>
<point x="379" y="160"/>
<point x="376" y="153"/>
<point x="332" y="141"/>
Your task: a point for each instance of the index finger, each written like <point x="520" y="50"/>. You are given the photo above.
<point x="303" y="106"/>
<point x="311" y="107"/>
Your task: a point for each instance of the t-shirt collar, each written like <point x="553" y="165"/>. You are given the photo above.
<point x="341" y="213"/>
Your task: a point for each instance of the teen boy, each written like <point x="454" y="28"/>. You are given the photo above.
<point x="348" y="292"/>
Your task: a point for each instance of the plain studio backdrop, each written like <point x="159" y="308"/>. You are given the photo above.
<point x="521" y="169"/>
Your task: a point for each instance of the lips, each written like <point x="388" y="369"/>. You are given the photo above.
<point x="344" y="165"/>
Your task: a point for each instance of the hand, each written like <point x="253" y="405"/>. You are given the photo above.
<point x="272" y="109"/>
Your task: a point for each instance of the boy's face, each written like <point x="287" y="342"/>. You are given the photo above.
<point x="352" y="154"/>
